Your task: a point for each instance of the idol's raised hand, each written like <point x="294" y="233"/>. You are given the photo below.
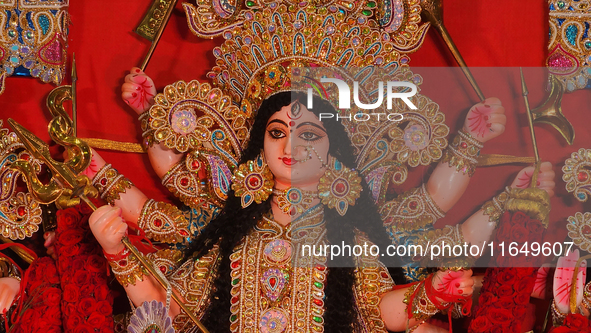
<point x="565" y="270"/>
<point x="138" y="91"/>
<point x="486" y="120"/>
<point x="108" y="228"/>
<point x="545" y="178"/>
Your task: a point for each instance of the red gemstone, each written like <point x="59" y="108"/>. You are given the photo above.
<point x="104" y="181"/>
<point x="184" y="181"/>
<point x="25" y="157"/>
<point x="384" y="275"/>
<point x="254" y="182"/>
<point x="272" y="282"/>
<point x="195" y="165"/>
<point x="235" y="299"/>
<point x="158" y="222"/>
<point x="423" y="302"/>
<point x="397" y="177"/>
<point x="123" y="263"/>
<point x="318" y="302"/>
<point x="582" y="176"/>
<point x="340" y="188"/>
<point x="235" y="264"/>
<point x="21" y="211"/>
<point x="293" y="196"/>
<point x="163" y="269"/>
<point x="412" y="205"/>
<point x="464" y="145"/>
<point x="321" y="268"/>
<point x="586" y="230"/>
<point x="184" y="233"/>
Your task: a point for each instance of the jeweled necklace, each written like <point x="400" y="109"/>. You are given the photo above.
<point x="293" y="200"/>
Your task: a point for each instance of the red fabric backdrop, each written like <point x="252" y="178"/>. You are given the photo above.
<point x="488" y="33"/>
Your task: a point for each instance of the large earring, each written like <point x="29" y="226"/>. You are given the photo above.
<point x="253" y="181"/>
<point x="339" y="187"/>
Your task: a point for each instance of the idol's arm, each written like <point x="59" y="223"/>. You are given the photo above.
<point x="479" y="227"/>
<point x="138" y="91"/>
<point x="485" y="121"/>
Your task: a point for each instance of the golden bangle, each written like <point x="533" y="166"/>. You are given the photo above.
<point x="463" y="152"/>
<point x="495" y="207"/>
<point x="163" y="222"/>
<point x="127" y="270"/>
<point x="422" y="307"/>
<point x="557" y="316"/>
<point x="110" y="183"/>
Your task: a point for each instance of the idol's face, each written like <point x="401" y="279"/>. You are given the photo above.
<point x="291" y="136"/>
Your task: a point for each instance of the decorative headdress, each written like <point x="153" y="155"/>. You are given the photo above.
<point x="33" y="39"/>
<point x="271" y="49"/>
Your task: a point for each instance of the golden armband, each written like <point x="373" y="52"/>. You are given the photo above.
<point x="163" y="222"/>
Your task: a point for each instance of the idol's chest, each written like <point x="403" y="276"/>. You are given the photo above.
<point x="273" y="291"/>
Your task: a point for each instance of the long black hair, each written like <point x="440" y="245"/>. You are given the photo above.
<point x="235" y="222"/>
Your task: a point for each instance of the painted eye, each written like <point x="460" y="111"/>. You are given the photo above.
<point x="276" y="134"/>
<point x="310" y="136"/>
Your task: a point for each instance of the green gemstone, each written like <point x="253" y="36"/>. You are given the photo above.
<point x="317" y="319"/>
<point x="11" y="33"/>
<point x="250" y="3"/>
<point x="233" y="318"/>
<point x="235" y="282"/>
<point x="366" y="12"/>
<point x="318" y="284"/>
<point x="588" y="45"/>
<point x="561" y="4"/>
<point x="371" y="4"/>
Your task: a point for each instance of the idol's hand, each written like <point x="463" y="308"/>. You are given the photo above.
<point x="565" y="269"/>
<point x="138" y="91"/>
<point x="545" y="178"/>
<point x="486" y="120"/>
<point x="456" y="283"/>
<point x="108" y="228"/>
<point x="9" y="288"/>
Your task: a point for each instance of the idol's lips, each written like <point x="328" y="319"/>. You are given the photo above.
<point x="289" y="161"/>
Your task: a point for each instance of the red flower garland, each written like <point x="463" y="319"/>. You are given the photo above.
<point x="41" y="306"/>
<point x="87" y="302"/>
<point x="573" y="323"/>
<point x="506" y="290"/>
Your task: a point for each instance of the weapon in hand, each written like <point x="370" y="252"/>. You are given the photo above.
<point x="431" y="9"/>
<point x="64" y="178"/>
<point x="153" y="25"/>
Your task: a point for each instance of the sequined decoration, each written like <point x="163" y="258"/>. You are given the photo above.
<point x="20" y="212"/>
<point x="33" y="38"/>
<point x="579" y="230"/>
<point x="577" y="174"/>
<point x="150" y="317"/>
<point x="569" y="45"/>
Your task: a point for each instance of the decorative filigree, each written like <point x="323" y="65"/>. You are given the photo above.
<point x="410" y="211"/>
<point x="577" y="174"/>
<point x="20" y="213"/>
<point x="187" y="116"/>
<point x="579" y="230"/>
